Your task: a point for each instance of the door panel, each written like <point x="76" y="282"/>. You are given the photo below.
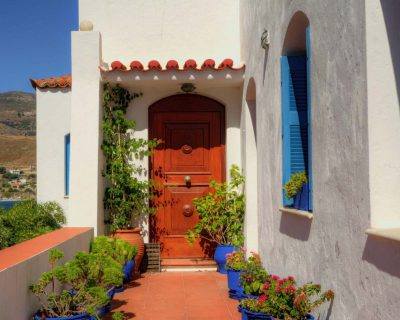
<point x="192" y="130"/>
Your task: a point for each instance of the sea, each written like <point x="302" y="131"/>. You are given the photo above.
<point x="7" y="204"/>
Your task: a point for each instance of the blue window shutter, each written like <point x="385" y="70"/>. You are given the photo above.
<point x="67" y="146"/>
<point x="294" y="117"/>
<point x="309" y="61"/>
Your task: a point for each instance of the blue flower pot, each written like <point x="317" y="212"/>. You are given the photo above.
<point x="244" y="315"/>
<point x="249" y="315"/>
<point x="235" y="288"/>
<point x="220" y="256"/>
<point x="107" y="308"/>
<point x="128" y="270"/>
<point x="310" y="317"/>
<point x="301" y="200"/>
<point x="81" y="316"/>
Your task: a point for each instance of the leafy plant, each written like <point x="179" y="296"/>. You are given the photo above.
<point x="295" y="183"/>
<point x="236" y="260"/>
<point x="118" y="249"/>
<point x="126" y="196"/>
<point x="80" y="297"/>
<point x="27" y="220"/>
<point x="221" y="212"/>
<point x="282" y="299"/>
<point x="253" y="275"/>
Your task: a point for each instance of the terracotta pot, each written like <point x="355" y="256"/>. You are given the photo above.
<point x="133" y="237"/>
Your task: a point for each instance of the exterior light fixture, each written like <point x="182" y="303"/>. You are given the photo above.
<point x="265" y="39"/>
<point x="188" y="87"/>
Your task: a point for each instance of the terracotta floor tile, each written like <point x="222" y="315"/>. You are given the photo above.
<point x="177" y="296"/>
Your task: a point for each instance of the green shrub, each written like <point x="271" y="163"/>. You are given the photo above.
<point x="80" y="292"/>
<point x="294" y="185"/>
<point x="27" y="220"/>
<point x="253" y="275"/>
<point x="221" y="212"/>
<point x="120" y="250"/>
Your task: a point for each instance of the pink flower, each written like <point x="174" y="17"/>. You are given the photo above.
<point x="275" y="277"/>
<point x="291" y="278"/>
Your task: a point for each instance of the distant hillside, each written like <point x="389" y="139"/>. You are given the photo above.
<point x="17" y="129"/>
<point x="18" y="113"/>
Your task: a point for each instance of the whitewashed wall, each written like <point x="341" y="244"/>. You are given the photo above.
<point x="350" y="171"/>
<point x="163" y="30"/>
<point x="53" y="123"/>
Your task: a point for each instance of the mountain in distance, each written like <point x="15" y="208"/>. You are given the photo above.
<point x="17" y="129"/>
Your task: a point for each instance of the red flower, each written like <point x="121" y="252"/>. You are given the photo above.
<point x="291" y="278"/>
<point x="275" y="277"/>
<point x="266" y="286"/>
<point x="262" y="298"/>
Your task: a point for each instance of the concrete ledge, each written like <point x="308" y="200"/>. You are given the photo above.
<point x="387" y="233"/>
<point x="23" y="263"/>
<point x="299" y="213"/>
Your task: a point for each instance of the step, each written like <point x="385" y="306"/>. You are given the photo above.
<point x="188" y="264"/>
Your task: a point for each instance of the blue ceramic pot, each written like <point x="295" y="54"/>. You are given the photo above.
<point x="310" y="317"/>
<point x="82" y="316"/>
<point x="244" y="315"/>
<point x="220" y="256"/>
<point x="107" y="308"/>
<point x="235" y="288"/>
<point x="256" y="315"/>
<point x="128" y="270"/>
<point x="301" y="200"/>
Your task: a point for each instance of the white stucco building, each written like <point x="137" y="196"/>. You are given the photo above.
<point x="291" y="86"/>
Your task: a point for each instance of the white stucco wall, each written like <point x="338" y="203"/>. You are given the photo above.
<point x="383" y="75"/>
<point x="163" y="30"/>
<point x="332" y="249"/>
<point x="86" y="188"/>
<point x="53" y="123"/>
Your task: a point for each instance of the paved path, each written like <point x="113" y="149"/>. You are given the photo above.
<point x="177" y="296"/>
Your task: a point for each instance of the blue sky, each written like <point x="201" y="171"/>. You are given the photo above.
<point x="35" y="40"/>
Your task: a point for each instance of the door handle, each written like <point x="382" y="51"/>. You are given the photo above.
<point x="188" y="181"/>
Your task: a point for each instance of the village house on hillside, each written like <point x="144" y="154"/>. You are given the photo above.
<point x="277" y="87"/>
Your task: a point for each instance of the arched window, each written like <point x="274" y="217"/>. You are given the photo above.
<point x="296" y="108"/>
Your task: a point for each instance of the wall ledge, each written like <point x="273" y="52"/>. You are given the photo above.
<point x="299" y="213"/>
<point x="25" y="250"/>
<point x="387" y="233"/>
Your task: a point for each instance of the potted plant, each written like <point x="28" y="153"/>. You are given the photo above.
<point x="235" y="263"/>
<point x="253" y="276"/>
<point x="297" y="189"/>
<point x="118" y="249"/>
<point x="76" y="299"/>
<point x="127" y="197"/>
<point x="282" y="299"/>
<point x="99" y="270"/>
<point x="221" y="213"/>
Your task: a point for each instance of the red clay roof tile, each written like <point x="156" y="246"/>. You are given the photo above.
<point x="64" y="81"/>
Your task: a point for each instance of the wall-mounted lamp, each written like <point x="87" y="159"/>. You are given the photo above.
<point x="265" y="39"/>
<point x="188" y="87"/>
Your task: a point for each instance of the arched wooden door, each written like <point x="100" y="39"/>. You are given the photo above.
<point x="192" y="152"/>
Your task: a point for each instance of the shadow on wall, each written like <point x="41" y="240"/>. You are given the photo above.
<point x="383" y="254"/>
<point x="391" y="13"/>
<point x="295" y="227"/>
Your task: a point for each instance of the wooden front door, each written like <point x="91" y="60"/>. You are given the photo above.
<point x="192" y="152"/>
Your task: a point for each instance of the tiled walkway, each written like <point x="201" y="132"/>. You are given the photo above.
<point x="177" y="296"/>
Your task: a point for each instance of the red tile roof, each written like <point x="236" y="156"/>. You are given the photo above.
<point x="64" y="81"/>
<point x="190" y="64"/>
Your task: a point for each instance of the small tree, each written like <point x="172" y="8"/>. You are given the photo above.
<point x="221" y="212"/>
<point x="126" y="195"/>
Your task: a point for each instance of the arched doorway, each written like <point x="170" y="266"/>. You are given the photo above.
<point x="250" y="167"/>
<point x="192" y="130"/>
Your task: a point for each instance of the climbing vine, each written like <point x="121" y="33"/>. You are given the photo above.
<point x="126" y="197"/>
